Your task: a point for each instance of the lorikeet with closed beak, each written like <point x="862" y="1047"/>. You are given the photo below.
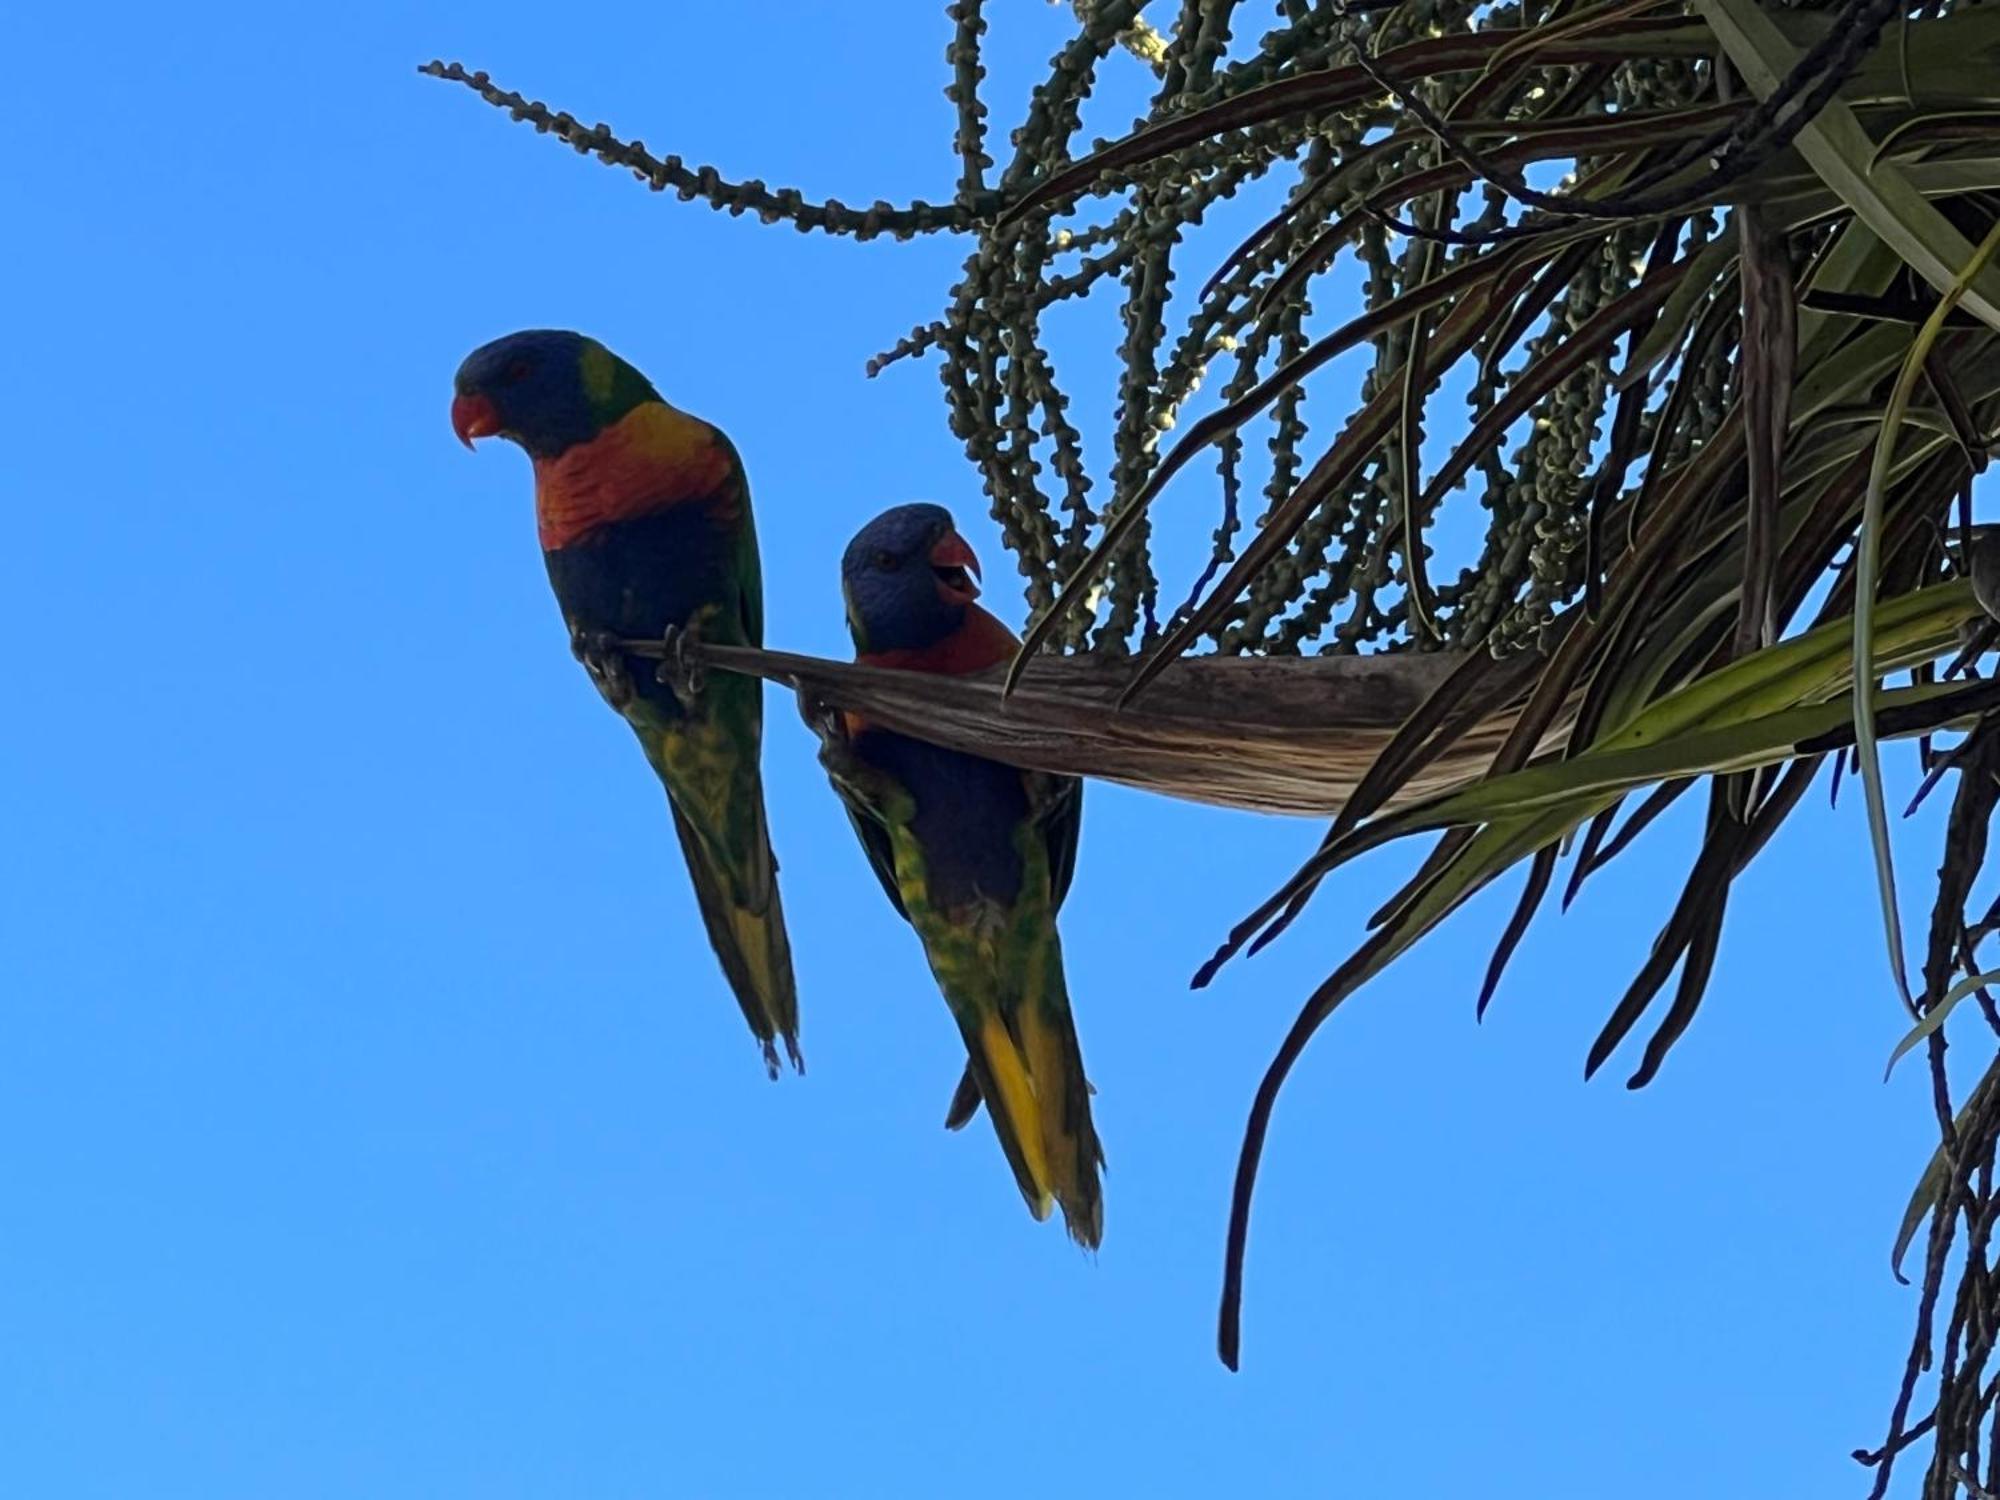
<point x="975" y="855"/>
<point x="645" y="525"/>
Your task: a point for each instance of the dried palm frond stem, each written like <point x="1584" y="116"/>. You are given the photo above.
<point x="1261" y="734"/>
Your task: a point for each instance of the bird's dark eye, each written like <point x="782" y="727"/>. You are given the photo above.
<point x="888" y="562"/>
<point x="515" y="373"/>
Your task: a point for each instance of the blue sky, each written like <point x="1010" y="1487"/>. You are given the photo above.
<point x="372" y="1118"/>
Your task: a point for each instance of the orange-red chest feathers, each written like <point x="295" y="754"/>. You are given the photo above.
<point x="979" y="643"/>
<point x="653" y="457"/>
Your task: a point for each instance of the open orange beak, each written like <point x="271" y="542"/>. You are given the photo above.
<point x="956" y="568"/>
<point x="472" y="417"/>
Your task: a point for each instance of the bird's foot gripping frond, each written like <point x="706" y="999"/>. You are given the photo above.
<point x="851" y="775"/>
<point x="866" y="787"/>
<point x="822" y="718"/>
<point x="678" y="669"/>
<point x="603" y="658"/>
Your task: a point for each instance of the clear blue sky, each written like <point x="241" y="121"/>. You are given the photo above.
<point x="373" y="1121"/>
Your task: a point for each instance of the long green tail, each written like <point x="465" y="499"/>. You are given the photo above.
<point x="708" y="764"/>
<point x="1025" y="1062"/>
<point x="748" y="935"/>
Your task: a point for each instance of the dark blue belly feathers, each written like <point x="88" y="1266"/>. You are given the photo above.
<point x="969" y="815"/>
<point x="635" y="578"/>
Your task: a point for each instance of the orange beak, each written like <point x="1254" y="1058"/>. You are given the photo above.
<point x="472" y="417"/>
<point x="956" y="568"/>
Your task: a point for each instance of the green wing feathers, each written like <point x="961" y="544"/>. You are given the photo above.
<point x="746" y="927"/>
<point x="709" y="766"/>
<point x="1059" y="812"/>
<point x="1000" y="970"/>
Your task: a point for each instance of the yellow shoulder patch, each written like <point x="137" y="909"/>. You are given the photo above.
<point x="598" y="369"/>
<point x="670" y="437"/>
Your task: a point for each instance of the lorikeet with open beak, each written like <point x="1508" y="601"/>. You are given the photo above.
<point x="975" y="855"/>
<point x="645" y="525"/>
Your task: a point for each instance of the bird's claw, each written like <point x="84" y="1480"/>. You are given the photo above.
<point x="678" y="670"/>
<point x="836" y="745"/>
<point x="821" y="717"/>
<point x="603" y="659"/>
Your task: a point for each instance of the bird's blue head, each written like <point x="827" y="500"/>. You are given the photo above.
<point x="908" y="578"/>
<point x="546" y="389"/>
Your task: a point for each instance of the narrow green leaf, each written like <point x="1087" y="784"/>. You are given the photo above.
<point x="1681" y="309"/>
<point x="1736" y="746"/>
<point x="1930" y="1186"/>
<point x="1910" y="628"/>
<point x="1935" y="1016"/>
<point x="1868" y="555"/>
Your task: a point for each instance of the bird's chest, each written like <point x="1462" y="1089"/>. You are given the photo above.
<point x="966" y="825"/>
<point x="637" y="577"/>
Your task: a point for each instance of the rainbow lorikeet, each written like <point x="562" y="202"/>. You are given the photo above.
<point x="645" y="525"/>
<point x="975" y="855"/>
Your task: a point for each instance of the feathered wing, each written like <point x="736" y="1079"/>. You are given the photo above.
<point x="1057" y="802"/>
<point x="860" y="796"/>
<point x="746" y="927"/>
<point x="708" y="760"/>
<point x="875" y="843"/>
<point x="1058" y="810"/>
<point x="1002" y="977"/>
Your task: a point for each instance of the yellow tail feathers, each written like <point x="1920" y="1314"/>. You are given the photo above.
<point x="1031" y="1076"/>
<point x="1069" y="1137"/>
<point x="755" y="952"/>
<point x="1010" y="1099"/>
<point x="766" y="957"/>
